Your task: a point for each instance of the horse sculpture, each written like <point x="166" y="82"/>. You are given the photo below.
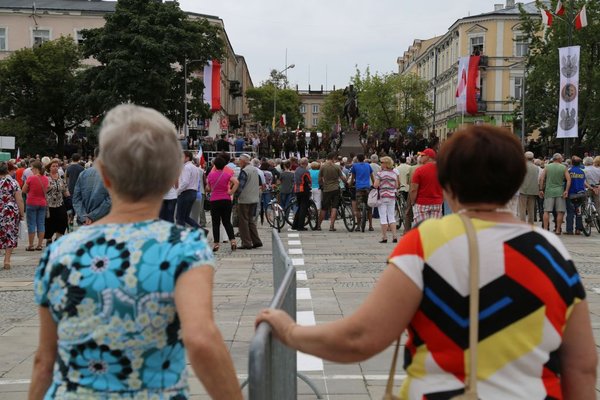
<point x="351" y="106"/>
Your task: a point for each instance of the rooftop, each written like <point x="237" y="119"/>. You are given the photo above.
<point x="60" y="5"/>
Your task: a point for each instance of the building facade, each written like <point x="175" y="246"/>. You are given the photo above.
<point x="497" y="37"/>
<point x="27" y="23"/>
<point x="311" y="106"/>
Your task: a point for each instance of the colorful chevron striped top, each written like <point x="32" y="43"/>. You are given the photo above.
<point x="528" y="286"/>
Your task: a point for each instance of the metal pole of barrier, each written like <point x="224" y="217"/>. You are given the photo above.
<point x="272" y="368"/>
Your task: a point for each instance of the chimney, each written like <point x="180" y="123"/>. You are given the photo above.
<point x="510" y="3"/>
<point x="498" y="7"/>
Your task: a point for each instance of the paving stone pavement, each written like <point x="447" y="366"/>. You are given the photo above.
<point x="341" y="269"/>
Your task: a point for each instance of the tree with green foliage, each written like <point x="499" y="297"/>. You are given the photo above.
<point x="40" y="95"/>
<point x="274" y="92"/>
<point x="333" y="111"/>
<point x="391" y="100"/>
<point x="543" y="78"/>
<point x="138" y="50"/>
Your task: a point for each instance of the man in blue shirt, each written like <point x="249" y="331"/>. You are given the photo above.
<point x="239" y="146"/>
<point x="361" y="174"/>
<point x="578" y="185"/>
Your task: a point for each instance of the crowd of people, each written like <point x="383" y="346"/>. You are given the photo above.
<point x="128" y="293"/>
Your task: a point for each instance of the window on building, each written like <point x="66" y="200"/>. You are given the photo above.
<point x="302" y="108"/>
<point x="40" y="36"/>
<point x="79" y="37"/>
<point x="3" y="39"/>
<point x="477" y="45"/>
<point x="315" y="121"/>
<point x="521" y="46"/>
<point x="315" y="108"/>
<point x="518" y="87"/>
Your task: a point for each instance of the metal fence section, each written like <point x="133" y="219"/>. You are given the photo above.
<point x="272" y="366"/>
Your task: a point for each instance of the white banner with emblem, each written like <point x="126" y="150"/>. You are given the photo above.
<point x="569" y="92"/>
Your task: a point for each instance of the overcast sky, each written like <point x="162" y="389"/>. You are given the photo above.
<point x="326" y="39"/>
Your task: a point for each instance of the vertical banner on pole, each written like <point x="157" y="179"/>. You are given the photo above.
<point x="569" y="92"/>
<point x="461" y="85"/>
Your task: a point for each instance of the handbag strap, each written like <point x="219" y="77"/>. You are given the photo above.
<point x="390" y="382"/>
<point x="471" y="381"/>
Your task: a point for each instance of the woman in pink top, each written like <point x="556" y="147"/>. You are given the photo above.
<point x="221" y="184"/>
<point x="35" y="188"/>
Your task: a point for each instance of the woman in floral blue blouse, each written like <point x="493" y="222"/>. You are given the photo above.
<point x="122" y="300"/>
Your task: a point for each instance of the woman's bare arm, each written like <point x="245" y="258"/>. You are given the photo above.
<point x="578" y="356"/>
<point x="379" y="321"/>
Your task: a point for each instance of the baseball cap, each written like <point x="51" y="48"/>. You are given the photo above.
<point x="427" y="152"/>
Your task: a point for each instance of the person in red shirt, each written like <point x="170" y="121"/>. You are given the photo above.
<point x="425" y="190"/>
<point x="19" y="173"/>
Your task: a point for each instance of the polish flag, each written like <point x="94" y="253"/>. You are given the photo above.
<point x="18" y="155"/>
<point x="581" y="19"/>
<point x="201" y="159"/>
<point x="547" y="17"/>
<point x="282" y="120"/>
<point x="560" y="8"/>
<point x="212" y="85"/>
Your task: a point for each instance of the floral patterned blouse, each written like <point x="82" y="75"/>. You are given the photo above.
<point x="56" y="189"/>
<point x="110" y="289"/>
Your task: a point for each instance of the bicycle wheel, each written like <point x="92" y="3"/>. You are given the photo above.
<point x="586" y="216"/>
<point x="290" y="212"/>
<point x="399" y="213"/>
<point x="348" y="217"/>
<point x="270" y="215"/>
<point x="312" y="219"/>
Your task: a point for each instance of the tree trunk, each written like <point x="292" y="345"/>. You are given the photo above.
<point x="60" y="141"/>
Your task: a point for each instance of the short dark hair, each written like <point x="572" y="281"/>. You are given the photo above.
<point x="482" y="164"/>
<point x="3" y="168"/>
<point x="219" y="163"/>
<point x="225" y="156"/>
<point x="189" y="155"/>
<point x="360" y="157"/>
<point x="75" y="157"/>
<point x="331" y="156"/>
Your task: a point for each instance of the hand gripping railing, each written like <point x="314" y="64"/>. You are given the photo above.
<point x="272" y="369"/>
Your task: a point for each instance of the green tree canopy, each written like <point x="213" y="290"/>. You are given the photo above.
<point x="543" y="79"/>
<point x="332" y="111"/>
<point x="40" y="95"/>
<point x="392" y="100"/>
<point x="138" y="49"/>
<point x="263" y="98"/>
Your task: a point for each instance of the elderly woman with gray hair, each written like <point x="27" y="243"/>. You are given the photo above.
<point x="11" y="212"/>
<point x="123" y="299"/>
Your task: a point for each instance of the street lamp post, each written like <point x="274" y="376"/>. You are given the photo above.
<point x="275" y="93"/>
<point x="186" y="132"/>
<point x="523" y="106"/>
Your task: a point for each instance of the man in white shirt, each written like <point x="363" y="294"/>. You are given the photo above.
<point x="187" y="190"/>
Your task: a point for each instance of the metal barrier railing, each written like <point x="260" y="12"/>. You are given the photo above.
<point x="272" y="369"/>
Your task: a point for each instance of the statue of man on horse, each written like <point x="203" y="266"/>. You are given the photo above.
<point x="351" y="106"/>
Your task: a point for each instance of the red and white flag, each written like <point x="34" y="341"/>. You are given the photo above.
<point x="581" y="19"/>
<point x="212" y="85"/>
<point x="201" y="159"/>
<point x="560" y="8"/>
<point x="18" y="154"/>
<point x="547" y="17"/>
<point x="282" y="120"/>
<point x="461" y="86"/>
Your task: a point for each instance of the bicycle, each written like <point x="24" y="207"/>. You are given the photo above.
<point x="590" y="214"/>
<point x="312" y="214"/>
<point x="400" y="209"/>
<point x="345" y="210"/>
<point x="363" y="207"/>
<point x="274" y="213"/>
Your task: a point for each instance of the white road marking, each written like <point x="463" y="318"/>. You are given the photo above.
<point x="301" y="276"/>
<point x="303" y="294"/>
<point x="295" y="251"/>
<point x="596" y="290"/>
<point x="294" y="243"/>
<point x="293" y="235"/>
<point x="242" y="377"/>
<point x="305" y="318"/>
<point x="297" y="261"/>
